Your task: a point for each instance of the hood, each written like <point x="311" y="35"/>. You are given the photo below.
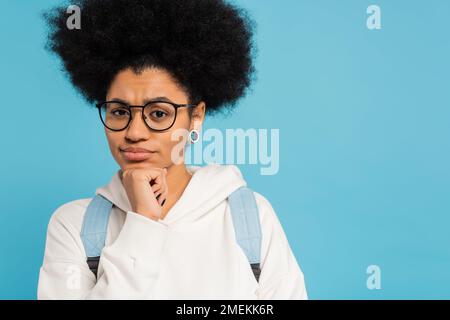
<point x="209" y="186"/>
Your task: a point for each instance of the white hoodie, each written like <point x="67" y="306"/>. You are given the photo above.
<point x="190" y="254"/>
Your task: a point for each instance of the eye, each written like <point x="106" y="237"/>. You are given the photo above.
<point x="120" y="112"/>
<point x="158" y="114"/>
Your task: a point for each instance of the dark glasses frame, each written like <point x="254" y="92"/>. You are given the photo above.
<point x="175" y="105"/>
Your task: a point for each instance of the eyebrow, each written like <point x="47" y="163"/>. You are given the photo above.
<point x="145" y="100"/>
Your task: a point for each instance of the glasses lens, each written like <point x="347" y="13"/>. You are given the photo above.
<point x="159" y="115"/>
<point x="115" y="115"/>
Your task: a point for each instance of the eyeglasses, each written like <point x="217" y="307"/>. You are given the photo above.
<point x="158" y="115"/>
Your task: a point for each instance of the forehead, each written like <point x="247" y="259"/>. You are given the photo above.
<point x="150" y="83"/>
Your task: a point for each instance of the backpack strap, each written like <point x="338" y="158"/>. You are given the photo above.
<point x="244" y="213"/>
<point x="247" y="226"/>
<point x="93" y="231"/>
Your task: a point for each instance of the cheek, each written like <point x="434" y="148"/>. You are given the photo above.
<point x="169" y="142"/>
<point x="113" y="142"/>
<point x="175" y="140"/>
<point x="173" y="144"/>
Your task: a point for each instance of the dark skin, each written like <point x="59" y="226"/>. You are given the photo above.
<point x="153" y="185"/>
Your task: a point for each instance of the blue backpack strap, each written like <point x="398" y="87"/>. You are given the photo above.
<point x="93" y="231"/>
<point x="247" y="226"/>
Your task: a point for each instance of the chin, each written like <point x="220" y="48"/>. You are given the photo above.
<point x="141" y="165"/>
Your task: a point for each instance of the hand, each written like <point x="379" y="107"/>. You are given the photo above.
<point x="147" y="190"/>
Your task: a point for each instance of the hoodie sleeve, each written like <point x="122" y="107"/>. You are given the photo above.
<point x="281" y="276"/>
<point x="130" y="264"/>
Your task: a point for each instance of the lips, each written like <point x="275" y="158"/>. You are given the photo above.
<point x="136" y="154"/>
<point x="132" y="149"/>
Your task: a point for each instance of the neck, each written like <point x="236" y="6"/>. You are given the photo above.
<point x="177" y="178"/>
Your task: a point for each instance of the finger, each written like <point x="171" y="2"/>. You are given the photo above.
<point x="164" y="178"/>
<point x="160" y="186"/>
<point x="161" y="178"/>
<point x="156" y="188"/>
<point x="157" y="180"/>
<point x="154" y="175"/>
<point x="162" y="198"/>
<point x="161" y="203"/>
<point x="161" y="182"/>
<point x="158" y="183"/>
<point x="160" y="192"/>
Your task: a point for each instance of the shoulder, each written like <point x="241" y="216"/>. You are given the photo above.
<point x="266" y="211"/>
<point x="267" y="216"/>
<point x="273" y="234"/>
<point x="69" y="215"/>
<point x="63" y="231"/>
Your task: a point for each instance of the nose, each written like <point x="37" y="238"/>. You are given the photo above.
<point x="137" y="128"/>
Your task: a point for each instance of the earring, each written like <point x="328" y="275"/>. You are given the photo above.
<point x="194" y="136"/>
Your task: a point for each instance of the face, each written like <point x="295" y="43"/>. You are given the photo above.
<point x="134" y="89"/>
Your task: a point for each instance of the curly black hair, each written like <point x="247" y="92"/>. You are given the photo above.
<point x="206" y="45"/>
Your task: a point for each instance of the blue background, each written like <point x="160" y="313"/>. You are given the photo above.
<point x="364" y="123"/>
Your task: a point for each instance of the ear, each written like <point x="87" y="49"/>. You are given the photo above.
<point x="198" y="116"/>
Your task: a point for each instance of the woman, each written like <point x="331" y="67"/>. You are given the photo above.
<point x="155" y="68"/>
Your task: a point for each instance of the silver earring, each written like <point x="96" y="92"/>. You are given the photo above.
<point x="194" y="136"/>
